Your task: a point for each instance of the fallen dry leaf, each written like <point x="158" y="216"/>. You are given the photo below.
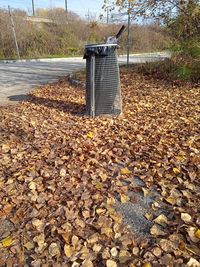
<point x="192" y="234"/>
<point x="197" y="233"/>
<point x="124" y="256"/>
<point x="61" y="175"/>
<point x="7" y="242"/>
<point x="124" y="198"/>
<point x="145" y="191"/>
<point x="90" y="135"/>
<point x="38" y="224"/>
<point x="147" y="264"/>
<point x="54" y="250"/>
<point x="114" y="252"/>
<point x="40" y="240"/>
<point x="186" y="217"/>
<point x="111" y="263"/>
<point x="87" y="263"/>
<point x="157" y="231"/>
<point x="161" y="219"/>
<point x="125" y="171"/>
<point x="68" y="251"/>
<point x="193" y="263"/>
<point x="63" y="172"/>
<point x="107" y="231"/>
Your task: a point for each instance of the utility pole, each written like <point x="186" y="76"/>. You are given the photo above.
<point x="88" y="16"/>
<point x="33" y="8"/>
<point x="14" y="33"/>
<point x="107" y="9"/>
<point x="66" y="6"/>
<point x="129" y="32"/>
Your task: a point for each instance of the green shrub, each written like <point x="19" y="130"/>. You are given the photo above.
<point x="73" y="50"/>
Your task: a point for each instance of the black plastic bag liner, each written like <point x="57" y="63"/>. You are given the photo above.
<point x="101" y="50"/>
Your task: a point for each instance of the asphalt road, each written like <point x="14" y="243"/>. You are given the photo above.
<point x="17" y="79"/>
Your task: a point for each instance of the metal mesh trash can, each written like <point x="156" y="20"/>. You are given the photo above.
<point x="103" y="92"/>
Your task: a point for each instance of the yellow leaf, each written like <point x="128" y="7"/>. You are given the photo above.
<point x="161" y="219"/>
<point x="6" y="242"/>
<point x="111" y="263"/>
<point x="192" y="234"/>
<point x="40" y="239"/>
<point x="97" y="248"/>
<point x="103" y="176"/>
<point x="125" y="171"/>
<point x="124" y="198"/>
<point x="186" y="217"/>
<point x="99" y="186"/>
<point x="33" y="122"/>
<point x="116" y="217"/>
<point x="87" y="263"/>
<point x="135" y="251"/>
<point x="80" y="223"/>
<point x="147" y="264"/>
<point x="82" y="157"/>
<point x="145" y="191"/>
<point x="32" y="186"/>
<point x="86" y="214"/>
<point x="63" y="172"/>
<point x="75" y="240"/>
<point x="93" y="238"/>
<point x="140" y="137"/>
<point x="111" y="201"/>
<point x="176" y="170"/>
<point x="197" y="233"/>
<point x="124" y="256"/>
<point x="193" y="263"/>
<point x="68" y="251"/>
<point x="90" y="135"/>
<point x="100" y="211"/>
<point x="107" y="231"/>
<point x="5" y="148"/>
<point x="38" y="224"/>
<point x="148" y="216"/>
<point x="156" y="231"/>
<point x="180" y="158"/>
<point x="54" y="249"/>
<point x="29" y="245"/>
<point x="114" y="252"/>
<point x="171" y="200"/>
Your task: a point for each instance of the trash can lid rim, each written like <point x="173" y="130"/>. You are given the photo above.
<point x="99" y="45"/>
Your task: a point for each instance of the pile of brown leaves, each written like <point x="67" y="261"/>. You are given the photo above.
<point x="60" y="172"/>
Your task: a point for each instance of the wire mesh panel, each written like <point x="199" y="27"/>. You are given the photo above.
<point x="107" y="91"/>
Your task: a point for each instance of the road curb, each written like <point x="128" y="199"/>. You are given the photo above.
<point x="65" y="59"/>
<point x="40" y="60"/>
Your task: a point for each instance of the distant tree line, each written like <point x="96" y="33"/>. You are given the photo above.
<point x="66" y="34"/>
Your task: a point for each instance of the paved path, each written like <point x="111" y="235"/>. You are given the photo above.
<point x="17" y="79"/>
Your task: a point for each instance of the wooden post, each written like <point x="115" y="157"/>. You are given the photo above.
<point x="129" y="31"/>
<point x="14" y="33"/>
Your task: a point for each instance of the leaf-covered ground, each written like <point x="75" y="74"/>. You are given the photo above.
<point x="61" y="174"/>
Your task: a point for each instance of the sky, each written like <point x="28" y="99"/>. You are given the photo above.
<point x="79" y="6"/>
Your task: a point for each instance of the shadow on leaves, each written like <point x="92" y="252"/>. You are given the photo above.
<point x="68" y="107"/>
